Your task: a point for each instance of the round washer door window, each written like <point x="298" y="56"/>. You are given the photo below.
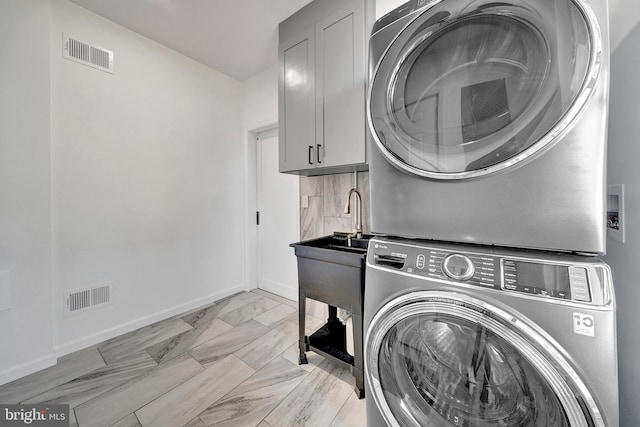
<point x="436" y="360"/>
<point x="471" y="87"/>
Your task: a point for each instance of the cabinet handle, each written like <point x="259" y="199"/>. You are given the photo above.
<point x="318" y="153"/>
<point x="310" y="154"/>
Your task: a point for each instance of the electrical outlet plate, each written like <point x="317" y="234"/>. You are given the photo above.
<point x="5" y="290"/>
<point x="615" y="213"/>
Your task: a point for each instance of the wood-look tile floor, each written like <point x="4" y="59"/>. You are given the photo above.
<point x="232" y="363"/>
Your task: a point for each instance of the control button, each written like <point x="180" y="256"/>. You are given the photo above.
<point x="579" y="284"/>
<point x="458" y="267"/>
<point x="420" y="261"/>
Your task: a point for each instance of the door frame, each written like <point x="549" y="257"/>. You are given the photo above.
<point x="250" y="190"/>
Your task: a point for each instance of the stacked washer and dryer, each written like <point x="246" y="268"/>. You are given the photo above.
<point x="485" y="301"/>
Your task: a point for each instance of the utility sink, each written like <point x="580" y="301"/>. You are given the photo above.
<point x="338" y="242"/>
<point x="331" y="269"/>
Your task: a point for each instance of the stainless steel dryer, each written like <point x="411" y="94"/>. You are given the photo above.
<point x="488" y="122"/>
<point x="465" y="335"/>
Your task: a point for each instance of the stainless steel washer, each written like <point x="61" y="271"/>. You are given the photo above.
<point x="487" y="122"/>
<point x="462" y="335"/>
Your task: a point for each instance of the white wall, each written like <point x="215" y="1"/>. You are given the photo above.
<point x="623" y="155"/>
<point x="147" y="173"/>
<point x="25" y="238"/>
<point x="260" y="99"/>
<point x="385" y="6"/>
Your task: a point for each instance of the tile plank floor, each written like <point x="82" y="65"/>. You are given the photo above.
<point x="232" y="363"/>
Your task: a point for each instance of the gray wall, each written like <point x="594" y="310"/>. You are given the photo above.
<point x="326" y="197"/>
<point x="623" y="156"/>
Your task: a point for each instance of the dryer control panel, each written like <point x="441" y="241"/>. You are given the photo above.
<point x="564" y="277"/>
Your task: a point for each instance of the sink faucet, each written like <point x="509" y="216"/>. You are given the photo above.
<point x="347" y="209"/>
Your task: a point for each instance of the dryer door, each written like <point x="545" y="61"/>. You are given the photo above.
<point x="470" y="87"/>
<point x="443" y="359"/>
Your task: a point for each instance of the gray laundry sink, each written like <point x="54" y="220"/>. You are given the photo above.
<point x="336" y="242"/>
<point x="331" y="269"/>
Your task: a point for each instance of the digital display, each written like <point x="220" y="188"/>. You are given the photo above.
<point x="535" y="278"/>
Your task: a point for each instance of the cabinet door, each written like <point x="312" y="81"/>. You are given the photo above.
<point x="340" y="87"/>
<point x="296" y="103"/>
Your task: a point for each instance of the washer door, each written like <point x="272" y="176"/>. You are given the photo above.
<point x="442" y="359"/>
<point x="468" y="88"/>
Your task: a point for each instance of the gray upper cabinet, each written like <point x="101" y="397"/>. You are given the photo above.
<point x="297" y="102"/>
<point x="322" y="88"/>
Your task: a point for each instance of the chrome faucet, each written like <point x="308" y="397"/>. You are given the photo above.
<point x="357" y="232"/>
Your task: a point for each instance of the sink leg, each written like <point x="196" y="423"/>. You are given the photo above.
<point x="302" y="340"/>
<point x="358" y="362"/>
<point x="332" y="321"/>
<point x="333" y="314"/>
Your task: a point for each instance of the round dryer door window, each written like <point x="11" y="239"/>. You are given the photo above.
<point x="471" y="87"/>
<point x="435" y="360"/>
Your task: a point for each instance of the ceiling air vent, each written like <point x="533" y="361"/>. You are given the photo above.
<point x="84" y="53"/>
<point x="79" y="300"/>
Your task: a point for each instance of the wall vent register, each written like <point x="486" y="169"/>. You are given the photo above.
<point x="80" y="300"/>
<point x="87" y="54"/>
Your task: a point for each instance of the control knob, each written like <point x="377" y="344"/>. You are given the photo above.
<point x="458" y="267"/>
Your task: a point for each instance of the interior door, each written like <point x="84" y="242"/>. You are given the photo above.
<point x="279" y="222"/>
<point x="472" y="87"/>
<point x="437" y="359"/>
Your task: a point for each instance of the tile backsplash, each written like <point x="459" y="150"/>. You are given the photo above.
<point x="323" y="215"/>
<point x="322" y="212"/>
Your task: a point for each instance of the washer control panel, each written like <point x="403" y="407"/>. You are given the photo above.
<point x="565" y="277"/>
<point x="471" y="268"/>
<point x="474" y="269"/>
<point x="553" y="280"/>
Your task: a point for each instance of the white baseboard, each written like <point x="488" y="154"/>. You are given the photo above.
<point x="279" y="289"/>
<point x="27" y="368"/>
<point x="98" y="337"/>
